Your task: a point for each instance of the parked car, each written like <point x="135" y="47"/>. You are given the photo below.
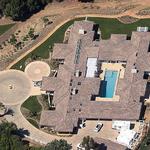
<point x="98" y="127"/>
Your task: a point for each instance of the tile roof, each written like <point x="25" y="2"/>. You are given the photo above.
<point x="131" y="89"/>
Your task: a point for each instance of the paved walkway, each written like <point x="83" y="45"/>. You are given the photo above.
<point x="37" y="70"/>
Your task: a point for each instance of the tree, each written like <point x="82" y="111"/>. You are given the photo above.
<point x="85" y="1"/>
<point x="13" y="39"/>
<point x="36" y="148"/>
<point x="17" y="9"/>
<point x="31" y="33"/>
<point x="3" y="4"/>
<point x="22" y="9"/>
<point x="9" y="140"/>
<point x="44" y="2"/>
<point x="33" y="5"/>
<point x="58" y="145"/>
<point x="89" y="143"/>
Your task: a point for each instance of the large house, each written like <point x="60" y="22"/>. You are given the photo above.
<point x="97" y="79"/>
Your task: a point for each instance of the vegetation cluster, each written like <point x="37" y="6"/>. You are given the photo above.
<point x="22" y="9"/>
<point x="12" y="138"/>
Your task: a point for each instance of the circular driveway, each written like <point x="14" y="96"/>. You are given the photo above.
<point x="15" y="87"/>
<point x="36" y="70"/>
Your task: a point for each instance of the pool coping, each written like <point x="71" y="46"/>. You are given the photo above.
<point x="115" y="97"/>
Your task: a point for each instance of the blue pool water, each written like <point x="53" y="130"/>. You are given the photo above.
<point x="108" y="85"/>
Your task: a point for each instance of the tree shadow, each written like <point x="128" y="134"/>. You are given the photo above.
<point x="10" y="112"/>
<point x="22" y="132"/>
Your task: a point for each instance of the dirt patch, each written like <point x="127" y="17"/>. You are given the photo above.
<point x="127" y="19"/>
<point x="4" y="21"/>
<point x="147" y="114"/>
<point x="145" y="11"/>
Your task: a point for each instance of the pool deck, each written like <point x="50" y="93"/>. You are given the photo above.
<point x="115" y="67"/>
<point x="112" y="66"/>
<point x="103" y="99"/>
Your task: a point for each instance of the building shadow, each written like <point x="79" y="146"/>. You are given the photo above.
<point x="102" y="146"/>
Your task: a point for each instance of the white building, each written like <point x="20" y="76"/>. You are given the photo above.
<point x="126" y="137"/>
<point x="91" y="67"/>
<point x="120" y="125"/>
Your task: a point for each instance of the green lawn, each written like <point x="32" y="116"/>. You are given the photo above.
<point x="4" y="28"/>
<point x="32" y="104"/>
<point x="33" y="122"/>
<point x="107" y="26"/>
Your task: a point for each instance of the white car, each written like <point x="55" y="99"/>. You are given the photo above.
<point x="98" y="127"/>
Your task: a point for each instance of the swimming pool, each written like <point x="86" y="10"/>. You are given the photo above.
<point x="108" y="84"/>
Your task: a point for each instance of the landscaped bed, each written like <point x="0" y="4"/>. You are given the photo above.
<point x="32" y="105"/>
<point x="145" y="145"/>
<point x="4" y="28"/>
<point x="33" y="122"/>
<point x="107" y="27"/>
<point x="31" y="109"/>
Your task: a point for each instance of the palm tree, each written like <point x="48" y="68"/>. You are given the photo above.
<point x="9" y="140"/>
<point x="58" y="145"/>
<point x="89" y="143"/>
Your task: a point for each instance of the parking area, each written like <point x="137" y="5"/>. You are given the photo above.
<point x="106" y="131"/>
